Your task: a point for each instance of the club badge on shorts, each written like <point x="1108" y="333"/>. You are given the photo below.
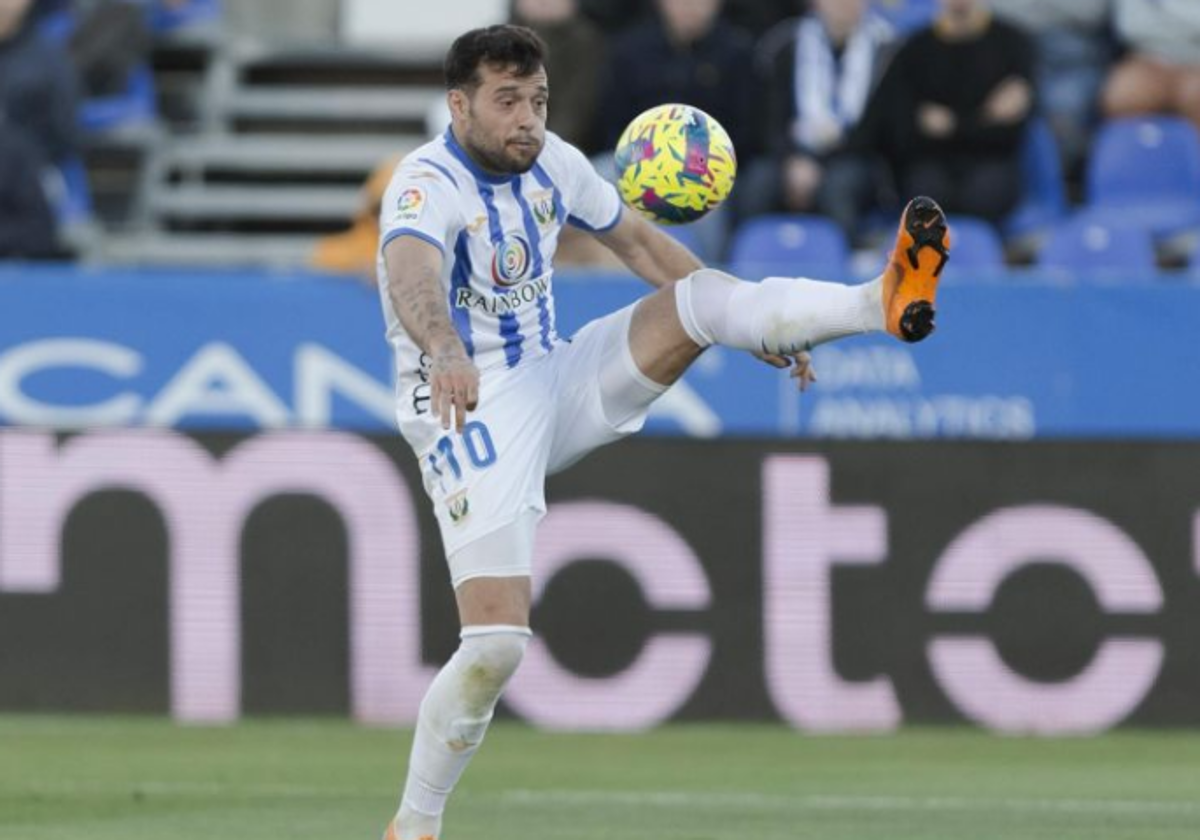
<point x="458" y="506"/>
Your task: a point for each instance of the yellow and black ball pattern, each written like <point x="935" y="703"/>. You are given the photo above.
<point x="674" y="164"/>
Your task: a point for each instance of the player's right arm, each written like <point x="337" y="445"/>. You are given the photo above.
<point x="414" y="285"/>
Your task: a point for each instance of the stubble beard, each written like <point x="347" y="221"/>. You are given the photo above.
<point x="499" y="160"/>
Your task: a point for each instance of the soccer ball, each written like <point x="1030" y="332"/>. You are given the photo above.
<point x="674" y="164"/>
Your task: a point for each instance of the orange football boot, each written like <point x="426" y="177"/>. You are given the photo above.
<point x="391" y="834"/>
<point x="911" y="277"/>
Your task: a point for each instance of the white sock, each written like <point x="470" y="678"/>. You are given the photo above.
<point x="454" y="715"/>
<point x="779" y="315"/>
<point x="413" y="825"/>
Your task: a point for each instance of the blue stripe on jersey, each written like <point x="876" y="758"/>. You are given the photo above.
<point x="439" y="168"/>
<point x="543" y="178"/>
<point x="560" y="213"/>
<point x="511" y="331"/>
<point x="531" y="229"/>
<point x="461" y="279"/>
<point x="544" y="321"/>
<point x="510" y="328"/>
<point x="581" y="224"/>
<point x="495" y="232"/>
<point x="404" y="231"/>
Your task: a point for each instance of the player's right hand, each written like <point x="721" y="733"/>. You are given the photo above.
<point x="800" y="363"/>
<point x="454" y="385"/>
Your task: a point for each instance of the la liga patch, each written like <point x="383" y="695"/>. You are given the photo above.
<point x="410" y="204"/>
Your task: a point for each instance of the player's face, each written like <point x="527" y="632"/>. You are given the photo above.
<point x="502" y="125"/>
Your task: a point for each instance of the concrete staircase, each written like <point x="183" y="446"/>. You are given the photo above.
<point x="284" y="141"/>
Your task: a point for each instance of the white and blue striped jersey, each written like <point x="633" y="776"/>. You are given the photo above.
<point x="498" y="235"/>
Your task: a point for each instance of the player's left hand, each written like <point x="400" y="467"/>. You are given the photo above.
<point x="454" y="385"/>
<point x="800" y="363"/>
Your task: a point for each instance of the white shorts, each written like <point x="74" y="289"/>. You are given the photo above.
<point x="533" y="421"/>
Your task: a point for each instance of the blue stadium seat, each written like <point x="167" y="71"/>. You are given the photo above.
<point x="1096" y="250"/>
<point x="1044" y="200"/>
<point x="788" y="245"/>
<point x="165" y="18"/>
<point x="975" y="249"/>
<point x="1145" y="171"/>
<point x="134" y="105"/>
<point x="906" y="16"/>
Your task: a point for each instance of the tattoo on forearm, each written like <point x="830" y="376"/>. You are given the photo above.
<point x="420" y="303"/>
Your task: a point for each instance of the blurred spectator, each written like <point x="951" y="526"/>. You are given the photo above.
<point x="906" y="16"/>
<point x="614" y="16"/>
<point x="758" y="16"/>
<point x="1161" y="73"/>
<point x="754" y="16"/>
<point x="37" y="131"/>
<point x="106" y="39"/>
<point x="951" y="111"/>
<point x="38" y="91"/>
<point x="170" y="15"/>
<point x="27" y="225"/>
<point x="575" y="56"/>
<point x="820" y="80"/>
<point x="354" y="251"/>
<point x="1073" y="54"/>
<point x="684" y="55"/>
<point x="110" y="40"/>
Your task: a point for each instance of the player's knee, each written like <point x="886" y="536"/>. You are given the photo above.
<point x="482" y="666"/>
<point x="488" y="657"/>
<point x="495" y="656"/>
<point x="701" y="300"/>
<point x="709" y="281"/>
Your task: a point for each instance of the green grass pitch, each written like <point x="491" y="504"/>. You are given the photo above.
<point x="93" y="778"/>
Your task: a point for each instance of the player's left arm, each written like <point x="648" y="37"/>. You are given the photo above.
<point x="649" y="253"/>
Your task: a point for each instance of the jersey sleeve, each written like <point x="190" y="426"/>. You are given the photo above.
<point x="420" y="202"/>
<point x="593" y="202"/>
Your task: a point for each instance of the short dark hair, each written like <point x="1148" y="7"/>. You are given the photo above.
<point x="503" y="45"/>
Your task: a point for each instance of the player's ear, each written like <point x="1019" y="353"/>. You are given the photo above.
<point x="459" y="102"/>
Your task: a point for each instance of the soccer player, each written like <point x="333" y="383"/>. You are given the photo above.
<point x="492" y="400"/>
